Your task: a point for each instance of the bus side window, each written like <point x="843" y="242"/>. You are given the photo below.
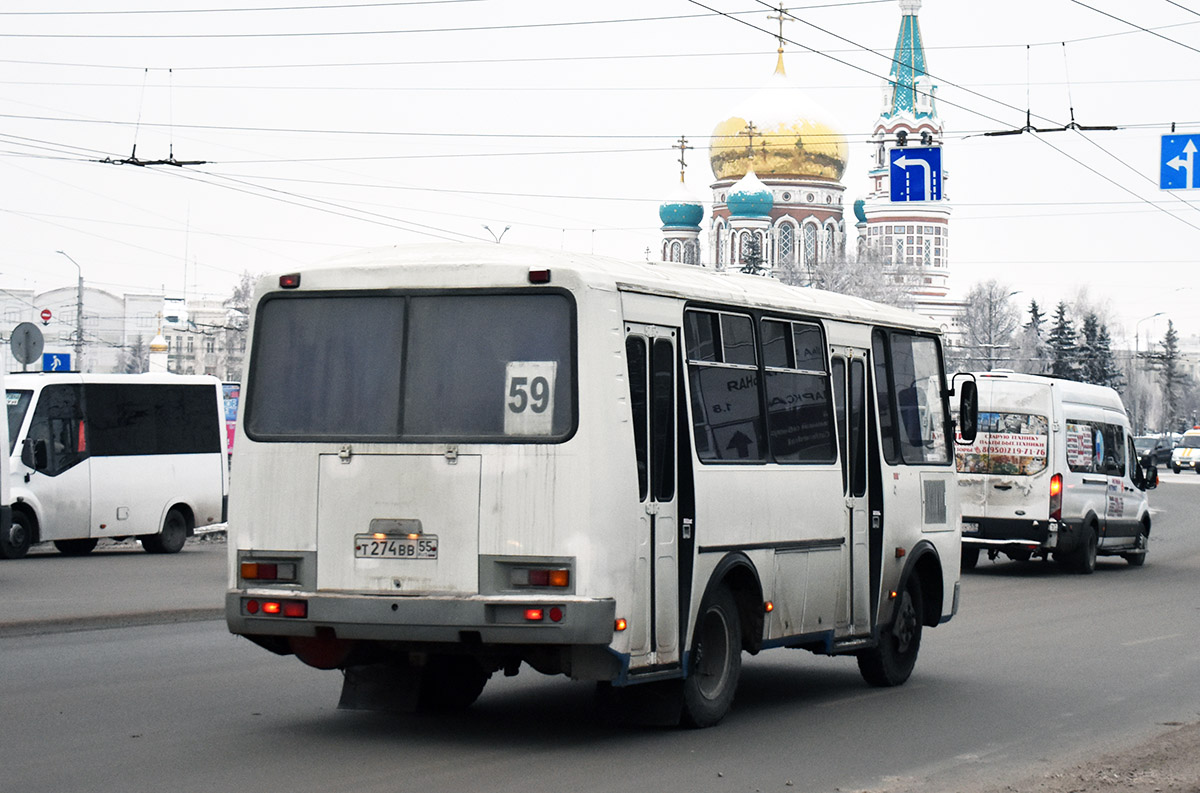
<point x="883" y="397"/>
<point x="58" y="421"/>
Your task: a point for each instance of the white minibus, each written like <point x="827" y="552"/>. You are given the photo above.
<point x="1053" y="472"/>
<point x="10" y="534"/>
<point x="452" y="460"/>
<point x="97" y="456"/>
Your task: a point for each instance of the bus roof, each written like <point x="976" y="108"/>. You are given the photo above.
<point x="1071" y="390"/>
<point x="20" y="380"/>
<point x="444" y="265"/>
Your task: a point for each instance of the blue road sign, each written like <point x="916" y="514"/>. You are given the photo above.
<point x="56" y="362"/>
<point x="1178" y="162"/>
<point x="916" y="173"/>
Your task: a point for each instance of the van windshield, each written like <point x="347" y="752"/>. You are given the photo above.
<point x="1010" y="444"/>
<point x="18" y="403"/>
<point x="1190" y="442"/>
<point x="415" y="367"/>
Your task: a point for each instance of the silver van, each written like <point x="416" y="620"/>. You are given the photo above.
<point x="1053" y="472"/>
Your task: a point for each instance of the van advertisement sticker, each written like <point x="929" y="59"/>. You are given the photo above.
<point x="1012" y="444"/>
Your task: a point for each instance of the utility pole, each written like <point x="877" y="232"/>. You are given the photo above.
<point x="78" y="314"/>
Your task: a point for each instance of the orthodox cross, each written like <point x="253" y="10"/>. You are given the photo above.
<point x="750" y="131"/>
<point x="782" y="16"/>
<point x="683" y="149"/>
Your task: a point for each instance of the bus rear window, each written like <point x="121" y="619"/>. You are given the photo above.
<point x="1010" y="444"/>
<point x="483" y="367"/>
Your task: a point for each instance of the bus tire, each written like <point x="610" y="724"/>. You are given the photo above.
<point x="891" y="661"/>
<point x="16" y="539"/>
<point x="970" y="558"/>
<point x="450" y="683"/>
<point x="1085" y="554"/>
<point x="171" y="538"/>
<point x="716" y="661"/>
<point x="80" y="547"/>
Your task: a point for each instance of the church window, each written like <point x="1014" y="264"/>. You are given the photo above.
<point x="828" y="199"/>
<point x="929" y="229"/>
<point x="810" y="198"/>
<point x="910" y="230"/>
<point x="787" y="244"/>
<point x="899" y="250"/>
<point x="928" y="254"/>
<point x="887" y="240"/>
<point x="689" y="253"/>
<point x="787" y="196"/>
<point x="938" y="231"/>
<point x="810" y="244"/>
<point x="721" y="237"/>
<point x="910" y="239"/>
<point x="830" y="244"/>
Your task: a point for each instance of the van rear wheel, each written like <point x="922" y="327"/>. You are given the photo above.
<point x="172" y="537"/>
<point x="81" y="547"/>
<point x="1085" y="555"/>
<point x="970" y="558"/>
<point x="16" y="538"/>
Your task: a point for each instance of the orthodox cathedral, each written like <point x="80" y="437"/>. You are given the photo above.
<point x="778" y="201"/>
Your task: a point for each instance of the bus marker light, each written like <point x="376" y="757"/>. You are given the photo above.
<point x="560" y="578"/>
<point x="621" y="624"/>
<point x="533" y="615"/>
<point x="556" y="614"/>
<point x="272" y="607"/>
<point x="251" y="606"/>
<point x="893" y="595"/>
<point x="539" y="276"/>
<point x="295" y="608"/>
<point x="290" y="281"/>
<point x="768" y="607"/>
<point x="900" y="553"/>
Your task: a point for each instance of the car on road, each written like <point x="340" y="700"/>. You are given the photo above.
<point x="1158" y="447"/>
<point x="1187" y="453"/>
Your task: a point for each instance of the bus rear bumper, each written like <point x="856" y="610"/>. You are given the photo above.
<point x="379" y="618"/>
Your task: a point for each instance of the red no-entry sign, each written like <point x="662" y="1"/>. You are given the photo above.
<point x="46" y="315"/>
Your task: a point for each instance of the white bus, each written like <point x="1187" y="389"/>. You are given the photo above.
<point x="97" y="456"/>
<point x="452" y="460"/>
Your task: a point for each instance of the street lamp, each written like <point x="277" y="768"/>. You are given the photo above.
<point x="78" y="314"/>
<point x="495" y="236"/>
<point x="1137" y="325"/>
<point x="991" y="328"/>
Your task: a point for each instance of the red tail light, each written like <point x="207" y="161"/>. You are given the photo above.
<point x="1056" y="496"/>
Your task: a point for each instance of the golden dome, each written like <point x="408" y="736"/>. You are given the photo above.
<point x="790" y="136"/>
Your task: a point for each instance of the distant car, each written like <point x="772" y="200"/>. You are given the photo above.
<point x="1158" y="448"/>
<point x="1187" y="453"/>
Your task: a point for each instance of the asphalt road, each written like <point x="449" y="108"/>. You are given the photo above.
<point x="1040" y="669"/>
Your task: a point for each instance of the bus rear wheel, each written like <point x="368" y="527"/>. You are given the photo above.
<point x="970" y="557"/>
<point x="80" y="547"/>
<point x="716" y="662"/>
<point x="16" y="539"/>
<point x="891" y="662"/>
<point x="172" y="537"/>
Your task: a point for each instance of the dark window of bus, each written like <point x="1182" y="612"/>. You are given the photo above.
<point x="327" y="367"/>
<point x="57" y="421"/>
<point x="917" y="380"/>
<point x="635" y="357"/>
<point x="662" y="418"/>
<point x="883" y="396"/>
<point x="726" y="409"/>
<point x="839" y="413"/>
<point x="1095" y="447"/>
<point x="489" y="366"/>
<point x="799" y="414"/>
<point x="425" y="367"/>
<point x="17" y="403"/>
<point x="139" y="418"/>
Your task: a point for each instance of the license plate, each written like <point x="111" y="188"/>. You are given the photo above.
<point x="371" y="546"/>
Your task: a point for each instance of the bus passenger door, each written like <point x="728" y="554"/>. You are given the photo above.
<point x="651" y="352"/>
<point x="849" y="372"/>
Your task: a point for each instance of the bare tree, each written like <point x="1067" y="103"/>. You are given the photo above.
<point x="988" y="321"/>
<point x="134" y="357"/>
<point x="868" y="276"/>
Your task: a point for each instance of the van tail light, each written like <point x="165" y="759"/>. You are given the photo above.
<point x="1056" y="497"/>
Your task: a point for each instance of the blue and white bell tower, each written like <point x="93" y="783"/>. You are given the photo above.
<point x="911" y="238"/>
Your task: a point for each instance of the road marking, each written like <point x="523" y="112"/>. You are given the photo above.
<point x="1155" y="639"/>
